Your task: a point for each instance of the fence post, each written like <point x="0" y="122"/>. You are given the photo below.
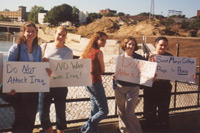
<point x="198" y="84"/>
<point x="175" y="89"/>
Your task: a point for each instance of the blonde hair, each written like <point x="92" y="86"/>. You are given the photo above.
<point x="61" y="28"/>
<point x="93" y="43"/>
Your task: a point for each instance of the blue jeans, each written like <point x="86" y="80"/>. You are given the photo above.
<point x="99" y="107"/>
<point x="45" y="98"/>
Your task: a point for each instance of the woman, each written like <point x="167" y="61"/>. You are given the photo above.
<point x="157" y="98"/>
<point x="126" y="93"/>
<point x="99" y="106"/>
<point x="57" y="51"/>
<point x="25" y="104"/>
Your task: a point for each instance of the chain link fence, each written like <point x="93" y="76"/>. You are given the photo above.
<point x="185" y="97"/>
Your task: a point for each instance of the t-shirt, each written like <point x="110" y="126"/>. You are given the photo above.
<point x="51" y="52"/>
<point x="96" y="68"/>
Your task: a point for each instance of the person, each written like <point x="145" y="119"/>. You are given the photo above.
<point x="25" y="104"/>
<point x="56" y="50"/>
<point x="126" y="93"/>
<point x="157" y="98"/>
<point x="99" y="106"/>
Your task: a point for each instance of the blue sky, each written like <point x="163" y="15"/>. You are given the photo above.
<point x="132" y="7"/>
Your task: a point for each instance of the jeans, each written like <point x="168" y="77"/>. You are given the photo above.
<point x="25" y="112"/>
<point x="126" y="99"/>
<point x="45" y="98"/>
<point x="99" y="107"/>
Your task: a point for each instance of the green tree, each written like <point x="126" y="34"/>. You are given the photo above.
<point x="121" y="14"/>
<point x="33" y="15"/>
<point x="110" y="14"/>
<point x="2" y="18"/>
<point x="59" y="14"/>
<point x="75" y="15"/>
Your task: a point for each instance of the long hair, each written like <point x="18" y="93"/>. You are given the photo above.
<point x="123" y="44"/>
<point x="22" y="39"/>
<point x="93" y="43"/>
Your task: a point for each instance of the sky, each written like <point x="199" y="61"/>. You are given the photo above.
<point x="133" y="7"/>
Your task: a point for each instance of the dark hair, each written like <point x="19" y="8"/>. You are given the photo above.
<point x="161" y="38"/>
<point x="22" y="38"/>
<point x="123" y="44"/>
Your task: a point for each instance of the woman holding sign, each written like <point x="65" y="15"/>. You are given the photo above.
<point x="99" y="106"/>
<point x="157" y="98"/>
<point x="56" y="51"/>
<point x="25" y="104"/>
<point x="126" y="93"/>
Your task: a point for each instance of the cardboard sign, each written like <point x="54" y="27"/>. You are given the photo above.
<point x="135" y="71"/>
<point x="175" y="68"/>
<point x="25" y="77"/>
<point x="1" y="67"/>
<point x="71" y="72"/>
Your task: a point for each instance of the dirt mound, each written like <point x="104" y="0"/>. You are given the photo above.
<point x="104" y="24"/>
<point x="147" y="28"/>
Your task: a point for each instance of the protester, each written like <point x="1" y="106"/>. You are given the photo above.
<point x="157" y="98"/>
<point x="126" y="93"/>
<point x="56" y="50"/>
<point x="99" y="106"/>
<point x="25" y="104"/>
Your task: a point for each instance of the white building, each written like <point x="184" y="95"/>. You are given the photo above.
<point x="83" y="17"/>
<point x="41" y="18"/>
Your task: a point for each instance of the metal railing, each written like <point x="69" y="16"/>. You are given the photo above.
<point x="185" y="98"/>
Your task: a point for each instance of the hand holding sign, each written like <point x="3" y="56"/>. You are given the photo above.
<point x="25" y="77"/>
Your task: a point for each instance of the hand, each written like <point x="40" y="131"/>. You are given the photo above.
<point x="44" y="59"/>
<point x="113" y="77"/>
<point x="12" y="92"/>
<point x="154" y="78"/>
<point x="49" y="71"/>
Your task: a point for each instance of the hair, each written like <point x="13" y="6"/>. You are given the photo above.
<point x="22" y="39"/>
<point x="93" y="43"/>
<point x="160" y="38"/>
<point x="61" y="28"/>
<point x="123" y="44"/>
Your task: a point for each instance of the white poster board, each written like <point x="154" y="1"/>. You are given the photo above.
<point x="135" y="71"/>
<point x="175" y="68"/>
<point x="25" y="77"/>
<point x="71" y="72"/>
<point x="1" y="67"/>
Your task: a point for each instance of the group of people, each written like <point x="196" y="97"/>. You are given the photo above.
<point x="26" y="104"/>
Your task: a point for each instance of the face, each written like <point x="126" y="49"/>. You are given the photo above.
<point x="60" y="36"/>
<point x="30" y="33"/>
<point x="102" y="41"/>
<point x="130" y="46"/>
<point x="161" y="46"/>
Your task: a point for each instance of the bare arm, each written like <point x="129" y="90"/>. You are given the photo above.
<point x="100" y="58"/>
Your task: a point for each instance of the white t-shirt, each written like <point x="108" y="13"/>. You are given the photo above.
<point x="54" y="53"/>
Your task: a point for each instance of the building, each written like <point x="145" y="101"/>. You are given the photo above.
<point x="107" y="11"/>
<point x="198" y="13"/>
<point x="41" y="17"/>
<point x="83" y="17"/>
<point x="19" y="15"/>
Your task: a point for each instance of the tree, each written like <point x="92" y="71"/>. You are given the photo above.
<point x="75" y="15"/>
<point x="59" y="14"/>
<point x="2" y="18"/>
<point x="121" y="14"/>
<point x="33" y="15"/>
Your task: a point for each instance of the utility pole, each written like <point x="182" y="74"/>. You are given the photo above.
<point x="151" y="13"/>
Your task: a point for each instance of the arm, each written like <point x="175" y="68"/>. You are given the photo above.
<point x="100" y="58"/>
<point x="13" y="53"/>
